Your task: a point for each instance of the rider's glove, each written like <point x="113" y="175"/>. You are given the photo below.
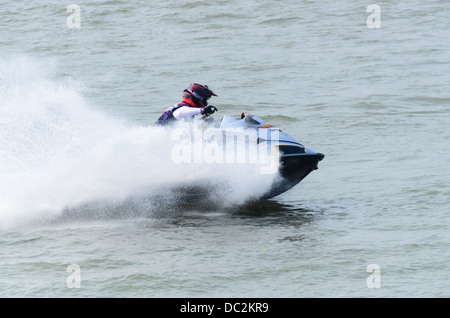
<point x="209" y="110"/>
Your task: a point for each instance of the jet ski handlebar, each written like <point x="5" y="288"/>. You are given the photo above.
<point x="209" y="110"/>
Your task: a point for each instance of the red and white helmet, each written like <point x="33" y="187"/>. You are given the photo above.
<point x="200" y="93"/>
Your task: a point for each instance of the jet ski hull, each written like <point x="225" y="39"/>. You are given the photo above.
<point x="292" y="170"/>
<point x="296" y="161"/>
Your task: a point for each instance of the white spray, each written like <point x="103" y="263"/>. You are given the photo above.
<point x="58" y="152"/>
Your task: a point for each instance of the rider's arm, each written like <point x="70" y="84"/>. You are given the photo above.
<point x="186" y="112"/>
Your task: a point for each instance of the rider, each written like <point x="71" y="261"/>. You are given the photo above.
<point x="195" y="102"/>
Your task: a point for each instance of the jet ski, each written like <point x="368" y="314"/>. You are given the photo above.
<point x="295" y="160"/>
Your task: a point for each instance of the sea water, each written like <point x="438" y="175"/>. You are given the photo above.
<point x="87" y="206"/>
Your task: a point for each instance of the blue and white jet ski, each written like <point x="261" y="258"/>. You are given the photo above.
<point x="295" y="160"/>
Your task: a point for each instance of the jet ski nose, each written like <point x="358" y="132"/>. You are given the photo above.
<point x="320" y="156"/>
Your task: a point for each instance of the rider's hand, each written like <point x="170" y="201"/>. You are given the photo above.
<point x="209" y="110"/>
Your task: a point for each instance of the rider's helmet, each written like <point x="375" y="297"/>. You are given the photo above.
<point x="197" y="95"/>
